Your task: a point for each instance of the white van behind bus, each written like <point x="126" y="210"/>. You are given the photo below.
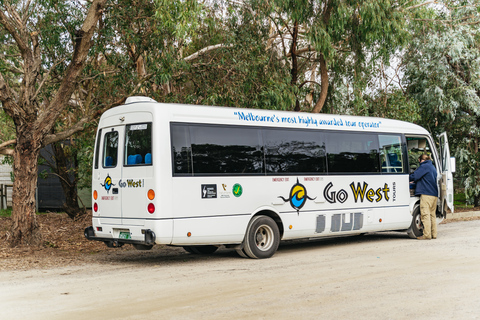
<point x="203" y="177"/>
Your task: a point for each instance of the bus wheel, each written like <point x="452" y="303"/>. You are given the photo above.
<point x="201" y="249"/>
<point x="262" y="238"/>
<point x="241" y="253"/>
<point x="416" y="228"/>
<point x="142" y="246"/>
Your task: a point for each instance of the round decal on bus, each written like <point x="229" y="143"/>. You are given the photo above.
<point x="107" y="183"/>
<point x="237" y="190"/>
<point x="298" y="196"/>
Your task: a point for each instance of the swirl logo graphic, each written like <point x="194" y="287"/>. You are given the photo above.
<point x="107" y="183"/>
<point x="298" y="196"/>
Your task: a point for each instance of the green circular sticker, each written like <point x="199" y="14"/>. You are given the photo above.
<point x="237" y="190"/>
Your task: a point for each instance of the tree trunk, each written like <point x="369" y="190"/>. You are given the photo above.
<point x="62" y="168"/>
<point x="34" y="109"/>
<point x="294" y="71"/>
<point x="324" y="82"/>
<point x="25" y="168"/>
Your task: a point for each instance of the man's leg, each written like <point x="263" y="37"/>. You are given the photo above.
<point x="425" y="214"/>
<point x="433" y="216"/>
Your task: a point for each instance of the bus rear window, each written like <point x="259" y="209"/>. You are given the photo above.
<point x="110" y="149"/>
<point x="138" y="144"/>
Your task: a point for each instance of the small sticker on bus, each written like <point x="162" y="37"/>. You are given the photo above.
<point x="209" y="191"/>
<point x="138" y="127"/>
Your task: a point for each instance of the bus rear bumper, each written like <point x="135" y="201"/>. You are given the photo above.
<point x="149" y="238"/>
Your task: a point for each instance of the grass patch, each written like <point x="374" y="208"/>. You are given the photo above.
<point x="6" y="212"/>
<point x="460" y="201"/>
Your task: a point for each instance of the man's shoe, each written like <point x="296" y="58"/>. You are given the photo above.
<point x="423" y="238"/>
<point x="434" y="237"/>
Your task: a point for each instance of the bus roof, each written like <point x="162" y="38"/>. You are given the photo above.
<point x="263" y="118"/>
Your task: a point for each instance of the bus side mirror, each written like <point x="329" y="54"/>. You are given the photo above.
<point x="452" y="164"/>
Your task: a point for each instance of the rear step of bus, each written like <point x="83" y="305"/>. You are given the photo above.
<point x="149" y="238"/>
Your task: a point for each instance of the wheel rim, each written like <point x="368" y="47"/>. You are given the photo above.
<point x="264" y="237"/>
<point x="418" y="222"/>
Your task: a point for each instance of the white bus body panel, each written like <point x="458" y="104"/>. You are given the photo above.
<point x="182" y="217"/>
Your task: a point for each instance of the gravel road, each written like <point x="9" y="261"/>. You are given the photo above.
<point x="376" y="276"/>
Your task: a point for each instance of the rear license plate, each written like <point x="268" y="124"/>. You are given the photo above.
<point x="125" y="235"/>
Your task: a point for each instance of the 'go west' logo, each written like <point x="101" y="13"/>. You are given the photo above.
<point x="107" y="184"/>
<point x="298" y="196"/>
<point x="360" y="192"/>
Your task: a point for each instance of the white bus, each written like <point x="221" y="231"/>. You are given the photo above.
<point x="202" y="177"/>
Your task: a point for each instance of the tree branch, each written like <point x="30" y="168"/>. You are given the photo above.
<point x="51" y="138"/>
<point x="420" y="5"/>
<point x="83" y="44"/>
<point x="7" y="143"/>
<point x="207" y="49"/>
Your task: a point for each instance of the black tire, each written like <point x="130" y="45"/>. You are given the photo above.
<point x="416" y="228"/>
<point x="201" y="249"/>
<point x="241" y="253"/>
<point x="142" y="247"/>
<point x="262" y="238"/>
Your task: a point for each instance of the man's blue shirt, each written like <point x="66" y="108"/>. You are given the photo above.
<point x="425" y="178"/>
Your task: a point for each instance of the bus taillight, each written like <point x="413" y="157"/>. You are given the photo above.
<point x="151" y="208"/>
<point x="151" y="194"/>
<point x="95" y="195"/>
<point x="95" y="207"/>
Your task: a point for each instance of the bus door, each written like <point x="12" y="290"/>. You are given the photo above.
<point x="109" y="173"/>
<point x="137" y="175"/>
<point x="447" y="169"/>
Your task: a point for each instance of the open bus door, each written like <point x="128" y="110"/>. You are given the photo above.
<point x="447" y="169"/>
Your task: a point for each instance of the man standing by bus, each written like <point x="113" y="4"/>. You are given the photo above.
<point x="425" y="178"/>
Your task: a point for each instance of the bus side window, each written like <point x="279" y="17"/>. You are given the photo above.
<point x="226" y="150"/>
<point x="416" y="147"/>
<point x="97" y="148"/>
<point x="391" y="154"/>
<point x="110" y="149"/>
<point x="181" y="150"/>
<point x="352" y="152"/>
<point x="294" y="151"/>
<point x="138" y="144"/>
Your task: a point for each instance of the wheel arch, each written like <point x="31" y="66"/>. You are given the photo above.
<point x="275" y="216"/>
<point x="413" y="204"/>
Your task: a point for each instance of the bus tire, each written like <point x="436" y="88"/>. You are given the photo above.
<point x="241" y="253"/>
<point x="262" y="238"/>
<point x="142" y="246"/>
<point x="416" y="228"/>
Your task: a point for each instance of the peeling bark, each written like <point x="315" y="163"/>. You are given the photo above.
<point x="324" y="85"/>
<point x="34" y="121"/>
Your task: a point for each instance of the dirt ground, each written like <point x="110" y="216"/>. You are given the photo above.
<point x="64" y="244"/>
<point x="376" y="276"/>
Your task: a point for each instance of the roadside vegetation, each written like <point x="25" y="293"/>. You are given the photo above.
<point x="64" y="63"/>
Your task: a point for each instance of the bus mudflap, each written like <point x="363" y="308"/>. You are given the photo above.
<point x="148" y="240"/>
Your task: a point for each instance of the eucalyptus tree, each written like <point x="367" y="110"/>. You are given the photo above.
<point x="226" y="61"/>
<point x="442" y="73"/>
<point x="319" y="38"/>
<point x="33" y="28"/>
